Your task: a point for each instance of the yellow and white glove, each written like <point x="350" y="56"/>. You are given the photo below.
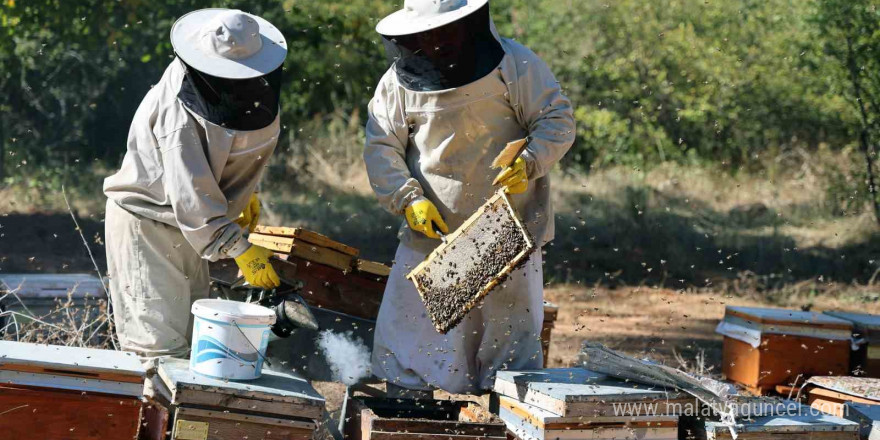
<point x="255" y="266"/>
<point x="514" y="178"/>
<point x="423" y="216"/>
<point x="250" y="217"/>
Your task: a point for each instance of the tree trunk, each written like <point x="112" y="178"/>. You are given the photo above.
<point x="864" y="136"/>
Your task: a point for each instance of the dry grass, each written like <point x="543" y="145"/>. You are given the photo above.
<point x="79" y="323"/>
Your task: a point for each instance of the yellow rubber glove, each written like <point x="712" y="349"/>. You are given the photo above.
<point x="249" y="218"/>
<point x="255" y="266"/>
<point x="422" y="216"/>
<point x="514" y="178"/>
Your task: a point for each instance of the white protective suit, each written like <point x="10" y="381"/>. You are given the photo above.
<point x="440" y="145"/>
<point x="170" y="209"/>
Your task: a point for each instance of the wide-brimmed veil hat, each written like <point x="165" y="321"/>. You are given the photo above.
<point x="424" y="15"/>
<point x="228" y="43"/>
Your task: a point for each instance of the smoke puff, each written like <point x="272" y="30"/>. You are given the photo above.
<point x="348" y="357"/>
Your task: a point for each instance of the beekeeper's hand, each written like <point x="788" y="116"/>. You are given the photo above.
<point x="255" y="266"/>
<point x="423" y="216"/>
<point x="514" y="178"/>
<point x="249" y="218"/>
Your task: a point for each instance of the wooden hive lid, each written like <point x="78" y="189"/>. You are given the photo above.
<point x="272" y="392"/>
<point x="861" y="321"/>
<point x="864" y="387"/>
<point x="55" y="359"/>
<point x="574" y="385"/>
<point x="787" y="317"/>
<point x="809" y="422"/>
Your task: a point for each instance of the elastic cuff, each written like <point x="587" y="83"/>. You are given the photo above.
<point x="531" y="164"/>
<point x="240" y="247"/>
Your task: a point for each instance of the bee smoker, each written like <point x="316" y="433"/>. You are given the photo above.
<point x="291" y="310"/>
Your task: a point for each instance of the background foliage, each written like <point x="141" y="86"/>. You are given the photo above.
<point x="672" y="80"/>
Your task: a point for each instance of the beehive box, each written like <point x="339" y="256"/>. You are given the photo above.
<point x="276" y="406"/>
<point x="333" y="277"/>
<point x="405" y="419"/>
<point x="577" y="403"/>
<point x="56" y="392"/>
<point x="866" y="331"/>
<point x="474" y="259"/>
<point x="578" y="392"/>
<point x="829" y="393"/>
<point x="764" y="348"/>
<point x="807" y="425"/>
<point x="530" y="422"/>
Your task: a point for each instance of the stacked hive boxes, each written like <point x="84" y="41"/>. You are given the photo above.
<point x="333" y="275"/>
<point x="765" y="348"/>
<point x="276" y="406"/>
<point x="574" y="403"/>
<point x="55" y="392"/>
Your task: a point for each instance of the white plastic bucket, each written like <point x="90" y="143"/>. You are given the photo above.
<point x="226" y="338"/>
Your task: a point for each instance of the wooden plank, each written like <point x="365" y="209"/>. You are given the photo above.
<point x="351" y="293"/>
<point x="38" y="369"/>
<point x="199" y="424"/>
<point x="306" y="251"/>
<point x="832" y="402"/>
<point x="863" y="387"/>
<point x="456" y="243"/>
<point x="33" y="412"/>
<point x="76" y="361"/>
<point x="373" y="267"/>
<point x="308" y="236"/>
<point x="272" y="393"/>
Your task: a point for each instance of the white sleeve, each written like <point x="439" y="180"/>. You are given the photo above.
<point x="385" y="151"/>
<point x="546" y="112"/>
<point x="199" y="206"/>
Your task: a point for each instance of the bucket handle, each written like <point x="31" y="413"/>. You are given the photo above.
<point x="252" y="345"/>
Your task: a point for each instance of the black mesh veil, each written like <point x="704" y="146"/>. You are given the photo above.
<point x="450" y="56"/>
<point x="239" y="104"/>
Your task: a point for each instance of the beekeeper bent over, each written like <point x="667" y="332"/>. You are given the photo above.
<point x="455" y="95"/>
<point x="185" y="193"/>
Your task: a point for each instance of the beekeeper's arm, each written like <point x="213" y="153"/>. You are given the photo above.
<point x="546" y="112"/>
<point x="385" y="151"/>
<point x="200" y="207"/>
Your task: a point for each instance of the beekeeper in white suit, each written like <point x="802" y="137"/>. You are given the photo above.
<point x="185" y="193"/>
<point x="455" y="95"/>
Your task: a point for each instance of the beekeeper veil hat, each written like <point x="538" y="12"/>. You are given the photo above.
<point x="440" y="44"/>
<point x="228" y="43"/>
<point x="424" y="15"/>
